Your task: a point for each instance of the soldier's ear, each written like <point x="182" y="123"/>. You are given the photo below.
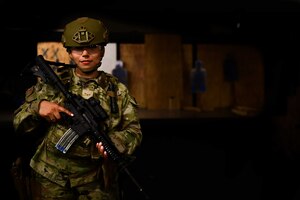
<point x="71" y="56"/>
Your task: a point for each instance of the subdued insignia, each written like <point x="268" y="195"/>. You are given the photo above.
<point x="29" y="91"/>
<point x="30" y="94"/>
<point x="83" y="36"/>
<point x="86" y="93"/>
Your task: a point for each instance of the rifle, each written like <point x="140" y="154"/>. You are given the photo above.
<point x="88" y="119"/>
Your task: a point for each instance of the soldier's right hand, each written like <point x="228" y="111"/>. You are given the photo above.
<point x="52" y="111"/>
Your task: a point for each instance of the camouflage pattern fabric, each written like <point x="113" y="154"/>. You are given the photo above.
<point x="82" y="164"/>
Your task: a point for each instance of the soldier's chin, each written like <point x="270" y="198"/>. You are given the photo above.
<point x="89" y="71"/>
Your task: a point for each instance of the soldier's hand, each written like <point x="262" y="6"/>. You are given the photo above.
<point x="51" y="111"/>
<point x="101" y="149"/>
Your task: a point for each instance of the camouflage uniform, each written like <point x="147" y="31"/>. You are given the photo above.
<point x="81" y="167"/>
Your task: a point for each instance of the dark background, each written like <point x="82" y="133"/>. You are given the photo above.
<point x="205" y="21"/>
<point x="272" y="26"/>
<point x="187" y="158"/>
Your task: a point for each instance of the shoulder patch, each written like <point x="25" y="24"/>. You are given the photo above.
<point x="29" y="91"/>
<point x="30" y="94"/>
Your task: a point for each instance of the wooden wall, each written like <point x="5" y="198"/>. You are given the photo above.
<point x="188" y="63"/>
<point x="163" y="69"/>
<point x="53" y="51"/>
<point x="247" y="91"/>
<point x="160" y="74"/>
<point x="133" y="57"/>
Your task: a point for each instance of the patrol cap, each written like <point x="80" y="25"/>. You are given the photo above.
<point x="84" y="31"/>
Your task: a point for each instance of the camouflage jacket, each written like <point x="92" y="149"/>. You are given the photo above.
<point x="81" y="163"/>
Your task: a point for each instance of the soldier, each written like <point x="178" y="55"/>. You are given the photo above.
<point x="84" y="171"/>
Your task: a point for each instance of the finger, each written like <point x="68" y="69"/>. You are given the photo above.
<point x="98" y="146"/>
<point x="102" y="150"/>
<point x="56" y="115"/>
<point x="105" y="154"/>
<point x="62" y="109"/>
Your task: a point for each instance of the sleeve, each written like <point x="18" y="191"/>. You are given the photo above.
<point x="128" y="136"/>
<point x="26" y="118"/>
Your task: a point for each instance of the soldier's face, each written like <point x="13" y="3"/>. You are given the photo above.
<point x="88" y="59"/>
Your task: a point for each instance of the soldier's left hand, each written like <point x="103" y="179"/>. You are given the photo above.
<point x="101" y="149"/>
